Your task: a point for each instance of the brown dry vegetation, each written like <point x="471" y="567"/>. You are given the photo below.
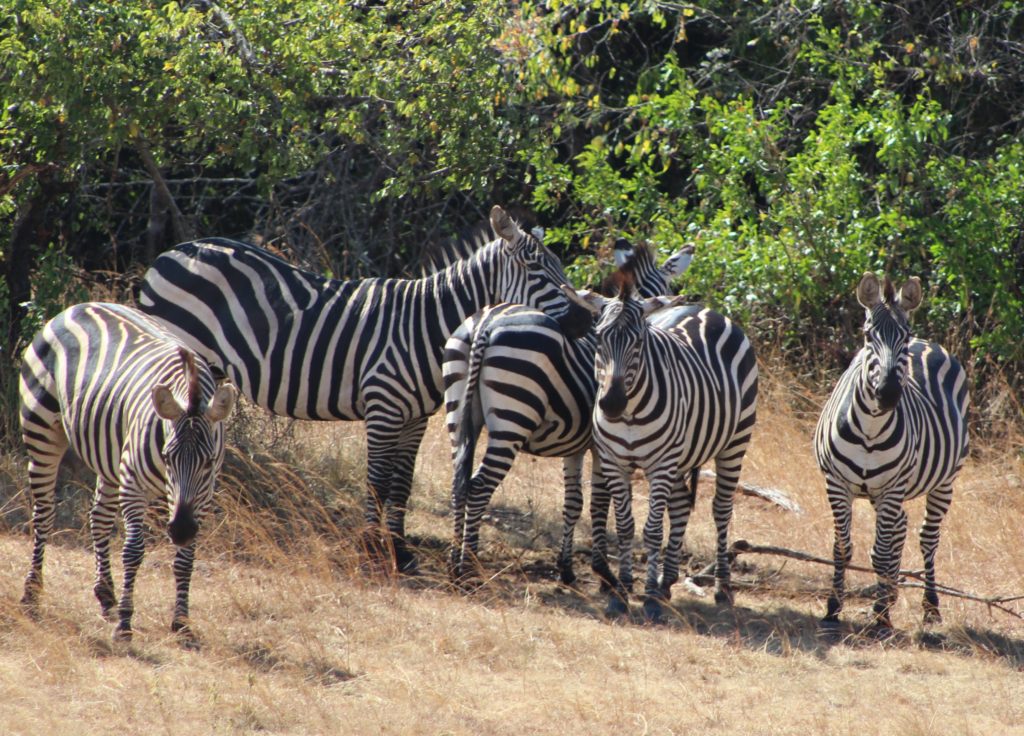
<point x="297" y="640"/>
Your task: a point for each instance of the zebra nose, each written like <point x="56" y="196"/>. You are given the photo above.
<point x="889" y="392"/>
<point x="613" y="402"/>
<point x="576" y="321"/>
<point x="182" y="529"/>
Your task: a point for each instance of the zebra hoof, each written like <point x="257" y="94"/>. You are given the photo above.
<point x="30" y="599"/>
<point x="123" y="634"/>
<point x="405" y="562"/>
<point x="653" y="611"/>
<point x="187" y="638"/>
<point x="931" y="613"/>
<point x="724" y="597"/>
<point x="566" y="573"/>
<point x="616" y="608"/>
<point x="108" y="601"/>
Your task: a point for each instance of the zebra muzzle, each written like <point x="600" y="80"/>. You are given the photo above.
<point x="889" y="392"/>
<point x="613" y="401"/>
<point x="183" y="527"/>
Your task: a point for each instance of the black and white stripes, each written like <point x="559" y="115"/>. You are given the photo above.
<point x="510" y="369"/>
<point x="670" y="398"/>
<point x="304" y="346"/>
<point x="144" y="414"/>
<point x="893" y="429"/>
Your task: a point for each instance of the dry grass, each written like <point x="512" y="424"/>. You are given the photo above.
<point x="297" y="640"/>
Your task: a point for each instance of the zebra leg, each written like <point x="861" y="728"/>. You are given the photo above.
<point x="937" y="505"/>
<point x="42" y="478"/>
<point x="572" y="507"/>
<point x="841" y="501"/>
<point x="680" y="505"/>
<point x="493" y="468"/>
<point x="397" y="502"/>
<point x="890" y="533"/>
<point x="660" y="487"/>
<point x="101" y="525"/>
<point x="625" y="529"/>
<point x="183" y="561"/>
<point x="131" y="557"/>
<point x="381" y="450"/>
<point x="600" y="501"/>
<point x="727" y="476"/>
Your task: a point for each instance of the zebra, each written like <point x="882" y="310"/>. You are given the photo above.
<point x="893" y="429"/>
<point x="309" y="347"/>
<point x="671" y="396"/>
<point x="144" y="414"/>
<point x="510" y="369"/>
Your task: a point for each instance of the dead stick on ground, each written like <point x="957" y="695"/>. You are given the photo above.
<point x="772" y="495"/>
<point x="742" y="546"/>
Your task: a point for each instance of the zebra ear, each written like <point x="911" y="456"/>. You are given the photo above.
<point x="165" y="404"/>
<point x="910" y="295"/>
<point x="657" y="303"/>
<point x="222" y="403"/>
<point x="504" y="225"/>
<point x="589" y="300"/>
<point x="622" y="252"/>
<point x="869" y="291"/>
<point x="677" y="263"/>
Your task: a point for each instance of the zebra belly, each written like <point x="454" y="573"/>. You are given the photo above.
<point x="637" y="448"/>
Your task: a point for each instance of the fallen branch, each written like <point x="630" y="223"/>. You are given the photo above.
<point x="742" y="546"/>
<point x="772" y="495"/>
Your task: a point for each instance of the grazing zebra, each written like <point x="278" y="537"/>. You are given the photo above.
<point x="143" y="414"/>
<point x="510" y="369"/>
<point x="669" y="399"/>
<point x="304" y="346"/>
<point x="893" y="429"/>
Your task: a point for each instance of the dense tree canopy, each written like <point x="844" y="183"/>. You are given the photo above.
<point x="797" y="143"/>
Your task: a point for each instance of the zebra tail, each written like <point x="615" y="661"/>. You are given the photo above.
<point x="470" y="423"/>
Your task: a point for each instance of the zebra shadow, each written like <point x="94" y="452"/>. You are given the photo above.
<point x="780" y="629"/>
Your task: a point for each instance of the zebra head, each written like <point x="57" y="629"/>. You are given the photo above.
<point x="622" y="333"/>
<point x="193" y="447"/>
<point x="651" y="279"/>
<point x="886" y="337"/>
<point x="533" y="275"/>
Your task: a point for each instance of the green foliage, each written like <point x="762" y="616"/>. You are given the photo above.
<point x="797" y="143"/>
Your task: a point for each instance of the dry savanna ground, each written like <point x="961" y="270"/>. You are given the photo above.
<point x="297" y="639"/>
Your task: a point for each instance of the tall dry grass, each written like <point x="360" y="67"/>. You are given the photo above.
<point x="299" y="638"/>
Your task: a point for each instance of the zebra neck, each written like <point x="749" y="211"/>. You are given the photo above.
<point x="464" y="288"/>
<point x="865" y="417"/>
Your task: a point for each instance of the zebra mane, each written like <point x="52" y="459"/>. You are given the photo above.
<point x="439" y="255"/>
<point x="192" y="378"/>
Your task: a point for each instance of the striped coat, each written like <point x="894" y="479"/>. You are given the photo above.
<point x="303" y="346"/>
<point x="509" y="368"/>
<point x="670" y="398"/>
<point x="894" y="428"/>
<point x="144" y="414"/>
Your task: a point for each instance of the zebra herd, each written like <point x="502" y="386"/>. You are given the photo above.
<point x="637" y="378"/>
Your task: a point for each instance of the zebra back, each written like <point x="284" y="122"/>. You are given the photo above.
<point x="305" y="346"/>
